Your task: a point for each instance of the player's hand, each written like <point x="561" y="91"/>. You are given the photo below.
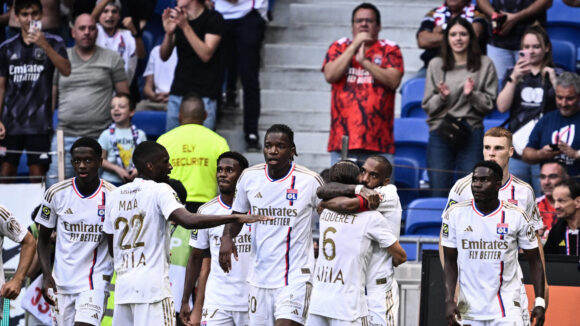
<point x="184" y="313"/>
<point x="452" y="313"/>
<point x="537" y="315"/>
<point x="227" y="248"/>
<point x="168" y="22"/>
<point x="48" y="283"/>
<point x="195" y="317"/>
<point x="444" y="90"/>
<point x="2" y="131"/>
<point x="373" y="197"/>
<point x="468" y="86"/>
<point x="11" y="289"/>
<point x="248" y="218"/>
<point x="360" y="55"/>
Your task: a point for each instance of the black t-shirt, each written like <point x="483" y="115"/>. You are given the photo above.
<point x="563" y="241"/>
<point x="191" y="73"/>
<point x="512" y="40"/>
<point x="28" y="92"/>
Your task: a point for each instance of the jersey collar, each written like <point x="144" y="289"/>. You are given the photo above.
<point x="74" y="184"/>
<point x="224" y="205"/>
<point x="478" y="212"/>
<point x="284" y="177"/>
<point x="507" y="183"/>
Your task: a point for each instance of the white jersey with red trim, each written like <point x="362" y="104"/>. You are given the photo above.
<point x="227" y="291"/>
<point x="81" y="260"/>
<point x="346" y="247"/>
<point x="282" y="250"/>
<point x="11" y="228"/>
<point x="515" y="191"/>
<point x="137" y="217"/>
<point x="487" y="260"/>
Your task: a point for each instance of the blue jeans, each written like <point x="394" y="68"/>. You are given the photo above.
<point x="502" y="59"/>
<point x="359" y="157"/>
<point x="442" y="156"/>
<point x="173" y="112"/>
<point x="529" y="173"/>
<point x="69" y="172"/>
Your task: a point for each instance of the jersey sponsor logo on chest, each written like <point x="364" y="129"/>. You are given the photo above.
<point x="502" y="228"/>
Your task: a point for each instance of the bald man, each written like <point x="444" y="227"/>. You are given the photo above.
<point x="193" y="151"/>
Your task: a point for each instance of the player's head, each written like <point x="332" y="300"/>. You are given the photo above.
<point x="568" y="93"/>
<point x="552" y="172"/>
<point x="486" y="180"/>
<point x="497" y="146"/>
<point x="192" y="110"/>
<point x="86" y="158"/>
<point x="566" y="196"/>
<point x="84" y="32"/>
<point x="229" y="168"/>
<point x="279" y="148"/>
<point x="152" y="161"/>
<point x="375" y="172"/>
<point x="27" y="11"/>
<point x="366" y="18"/>
<point x="344" y="171"/>
<point x="122" y="109"/>
<point x="179" y="189"/>
<point x="110" y="15"/>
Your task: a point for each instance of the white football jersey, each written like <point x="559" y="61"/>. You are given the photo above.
<point x="380" y="271"/>
<point x="81" y="260"/>
<point x="515" y="191"/>
<point x="282" y="249"/>
<point x="137" y="217"/>
<point x="487" y="260"/>
<point x="346" y="242"/>
<point x="228" y="291"/>
<point x="11" y="228"/>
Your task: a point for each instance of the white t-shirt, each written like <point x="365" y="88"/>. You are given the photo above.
<point x="282" y="250"/>
<point x="240" y="8"/>
<point x="162" y="71"/>
<point x="487" y="246"/>
<point x="515" y="191"/>
<point x="81" y="261"/>
<point x="341" y="269"/>
<point x="227" y="291"/>
<point x="124" y="44"/>
<point x="126" y="145"/>
<point x="380" y="271"/>
<point x="137" y="216"/>
<point x="10" y="227"/>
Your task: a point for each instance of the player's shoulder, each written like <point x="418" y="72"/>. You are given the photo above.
<point x="309" y="173"/>
<point x="253" y="170"/>
<point x="388" y="43"/>
<point x="10" y="41"/>
<point x="509" y="207"/>
<point x="388" y="190"/>
<point x="342" y="41"/>
<point x="208" y="205"/>
<point x="458" y="208"/>
<point x="4" y="212"/>
<point x="57" y="188"/>
<point x="462" y="184"/>
<point x="523" y="185"/>
<point x="109" y="187"/>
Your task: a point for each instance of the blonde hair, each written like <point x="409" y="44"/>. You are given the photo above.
<point x="499" y="132"/>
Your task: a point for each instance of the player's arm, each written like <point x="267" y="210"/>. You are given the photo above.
<point x="389" y="77"/>
<point x="192" y="272"/>
<point x="227" y="247"/>
<point x="11" y="289"/>
<point x="398" y="253"/>
<point x="44" y="256"/>
<point x="538" y="280"/>
<point x="195" y="318"/>
<point x="201" y="221"/>
<point x="542" y="257"/>
<point x="110" y="243"/>
<point x="349" y="205"/>
<point x="335" y="189"/>
<point x="451" y="271"/>
<point x="2" y="92"/>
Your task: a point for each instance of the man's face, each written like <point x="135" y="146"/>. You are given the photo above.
<point x="26" y="15"/>
<point x="86" y="163"/>
<point x="456" y="5"/>
<point x="110" y="17"/>
<point x="159" y="167"/>
<point x="84" y="32"/>
<point x="567" y="100"/>
<point x="228" y="172"/>
<point x="497" y="149"/>
<point x="564" y="204"/>
<point x="372" y="174"/>
<point x="365" y="21"/>
<point x="550" y="175"/>
<point x="484" y="184"/>
<point x="278" y="151"/>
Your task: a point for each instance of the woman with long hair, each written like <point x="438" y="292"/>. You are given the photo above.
<point x="460" y="89"/>
<point x="528" y="93"/>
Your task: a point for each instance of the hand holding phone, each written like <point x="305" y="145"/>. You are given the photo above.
<point x="555" y="147"/>
<point x="35" y="26"/>
<point x="525" y="55"/>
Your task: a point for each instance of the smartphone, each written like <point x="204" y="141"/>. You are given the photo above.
<point x="525" y="55"/>
<point x="554" y="147"/>
<point x="35" y="25"/>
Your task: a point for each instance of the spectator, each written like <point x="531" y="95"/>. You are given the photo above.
<point x="245" y="27"/>
<point x="50" y="20"/>
<point x="119" y="141"/>
<point x="528" y="93"/>
<point x="84" y="97"/>
<point x="460" y="88"/>
<point x="126" y="42"/>
<point x="564" y="239"/>
<point x="509" y="20"/>
<point x="158" y="78"/>
<point x="554" y="136"/>
<point x="432" y="29"/>
<point x="364" y="73"/>
<point x="196" y="32"/>
<point x="194" y="150"/>
<point x="551" y="174"/>
<point x="28" y="62"/>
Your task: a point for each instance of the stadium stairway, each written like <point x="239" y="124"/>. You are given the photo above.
<point x="294" y="91"/>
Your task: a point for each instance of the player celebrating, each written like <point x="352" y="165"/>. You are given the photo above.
<point x="282" y="253"/>
<point x="225" y="303"/>
<point x="137" y="226"/>
<point x="480" y="239"/>
<point x="338" y="296"/>
<point x="82" y="267"/>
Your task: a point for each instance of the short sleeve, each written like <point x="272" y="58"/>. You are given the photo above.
<point x="118" y="68"/>
<point x="10" y="227"/>
<point x="104" y="140"/>
<point x="534" y="212"/>
<point x="448" y="237"/>
<point x="153" y="58"/>
<point x="60" y="47"/>
<point x="335" y="50"/>
<point x="47" y="216"/>
<point x="394" y="58"/>
<point x="527" y="234"/>
<point x="241" y="203"/>
<point x="216" y="24"/>
<point x="141" y="136"/>
<point x="108" y="223"/>
<point x="427" y="23"/>
<point x="379" y="231"/>
<point x="199" y="239"/>
<point x="167" y="200"/>
<point x="453" y="197"/>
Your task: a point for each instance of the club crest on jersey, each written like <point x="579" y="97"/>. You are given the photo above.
<point x="291" y="195"/>
<point x="101" y="210"/>
<point x="378" y="60"/>
<point x="502" y="228"/>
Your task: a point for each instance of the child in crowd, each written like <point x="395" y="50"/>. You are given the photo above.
<point x="119" y="141"/>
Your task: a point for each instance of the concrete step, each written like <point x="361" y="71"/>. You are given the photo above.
<point x="284" y="99"/>
<point x="311" y="142"/>
<point x="298" y="120"/>
<point x="294" y="79"/>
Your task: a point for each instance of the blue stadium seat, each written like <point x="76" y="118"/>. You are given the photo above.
<point x="162" y="4"/>
<point x="564" y="54"/>
<point x="490" y="123"/>
<point x="151" y="122"/>
<point x="407" y="174"/>
<point x="411" y="137"/>
<point x="424" y="216"/>
<point x="412" y="93"/>
<point x="409" y="244"/>
<point x="23" y="166"/>
<point x="563" y="24"/>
